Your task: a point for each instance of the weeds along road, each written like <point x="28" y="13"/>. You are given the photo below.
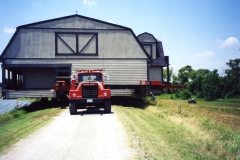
<point x="87" y="135"/>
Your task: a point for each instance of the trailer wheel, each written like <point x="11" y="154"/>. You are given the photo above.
<point x="72" y="108"/>
<point x="107" y="108"/>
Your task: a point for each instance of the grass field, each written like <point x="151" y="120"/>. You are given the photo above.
<point x="164" y="129"/>
<point x="18" y="124"/>
<point x="174" y="129"/>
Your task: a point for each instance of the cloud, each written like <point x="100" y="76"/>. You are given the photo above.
<point x="205" y="54"/>
<point x="110" y="22"/>
<point x="89" y="2"/>
<point x="203" y="60"/>
<point x="8" y="30"/>
<point x="231" y="41"/>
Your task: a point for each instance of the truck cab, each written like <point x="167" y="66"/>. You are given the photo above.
<point x="87" y="90"/>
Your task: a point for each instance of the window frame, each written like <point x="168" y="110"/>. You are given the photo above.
<point x="78" y="51"/>
<point x="151" y="48"/>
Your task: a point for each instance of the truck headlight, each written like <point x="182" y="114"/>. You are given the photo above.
<point x="74" y="95"/>
<point x="105" y="94"/>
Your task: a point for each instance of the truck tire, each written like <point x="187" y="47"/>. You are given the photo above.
<point x="72" y="108"/>
<point x="107" y="108"/>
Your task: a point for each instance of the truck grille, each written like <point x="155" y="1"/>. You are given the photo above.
<point x="90" y="91"/>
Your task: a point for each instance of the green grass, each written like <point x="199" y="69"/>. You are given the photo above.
<point x="233" y="100"/>
<point x="19" y="123"/>
<point x="174" y="129"/>
<point x="29" y="99"/>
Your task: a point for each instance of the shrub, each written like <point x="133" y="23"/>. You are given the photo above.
<point x="184" y="94"/>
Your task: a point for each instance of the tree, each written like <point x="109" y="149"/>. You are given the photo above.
<point x="207" y="84"/>
<point x="211" y="86"/>
<point x="175" y="80"/>
<point x="165" y="74"/>
<point x="196" y="84"/>
<point x="185" y="74"/>
<point x="232" y="79"/>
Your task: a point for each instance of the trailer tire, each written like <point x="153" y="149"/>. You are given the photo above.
<point x="72" y="108"/>
<point x="107" y="108"/>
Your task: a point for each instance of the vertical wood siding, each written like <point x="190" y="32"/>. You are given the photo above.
<point x="40" y="43"/>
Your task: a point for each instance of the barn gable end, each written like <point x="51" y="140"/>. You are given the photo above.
<point x="73" y="37"/>
<point x="74" y="21"/>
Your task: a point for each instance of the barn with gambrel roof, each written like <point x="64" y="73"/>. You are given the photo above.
<point x="40" y="53"/>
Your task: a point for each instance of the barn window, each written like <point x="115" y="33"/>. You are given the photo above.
<point x="71" y="43"/>
<point x="148" y="48"/>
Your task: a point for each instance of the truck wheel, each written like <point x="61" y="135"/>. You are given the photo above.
<point x="107" y="108"/>
<point x="72" y="108"/>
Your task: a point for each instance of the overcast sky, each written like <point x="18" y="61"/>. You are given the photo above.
<point x="201" y="33"/>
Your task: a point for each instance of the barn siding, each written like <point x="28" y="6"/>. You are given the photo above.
<point x="29" y="93"/>
<point x="122" y="71"/>
<point x="40" y="43"/>
<point x="154" y="51"/>
<point x="155" y="73"/>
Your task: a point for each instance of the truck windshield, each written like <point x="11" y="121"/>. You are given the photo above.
<point x="90" y="77"/>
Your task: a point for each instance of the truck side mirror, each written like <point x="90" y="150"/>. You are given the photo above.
<point x="106" y="77"/>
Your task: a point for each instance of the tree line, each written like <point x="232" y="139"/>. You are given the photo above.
<point x="206" y="84"/>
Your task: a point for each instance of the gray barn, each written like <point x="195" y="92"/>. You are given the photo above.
<point x="40" y="53"/>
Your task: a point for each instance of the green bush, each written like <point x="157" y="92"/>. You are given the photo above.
<point x="184" y="94"/>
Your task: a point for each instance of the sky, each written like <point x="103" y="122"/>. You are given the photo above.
<point x="204" y="34"/>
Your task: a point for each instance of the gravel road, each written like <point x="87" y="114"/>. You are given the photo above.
<point x="87" y="135"/>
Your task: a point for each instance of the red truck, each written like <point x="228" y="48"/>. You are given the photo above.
<point x="87" y="89"/>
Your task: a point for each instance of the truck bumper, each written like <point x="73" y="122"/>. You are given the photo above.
<point x="90" y="101"/>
